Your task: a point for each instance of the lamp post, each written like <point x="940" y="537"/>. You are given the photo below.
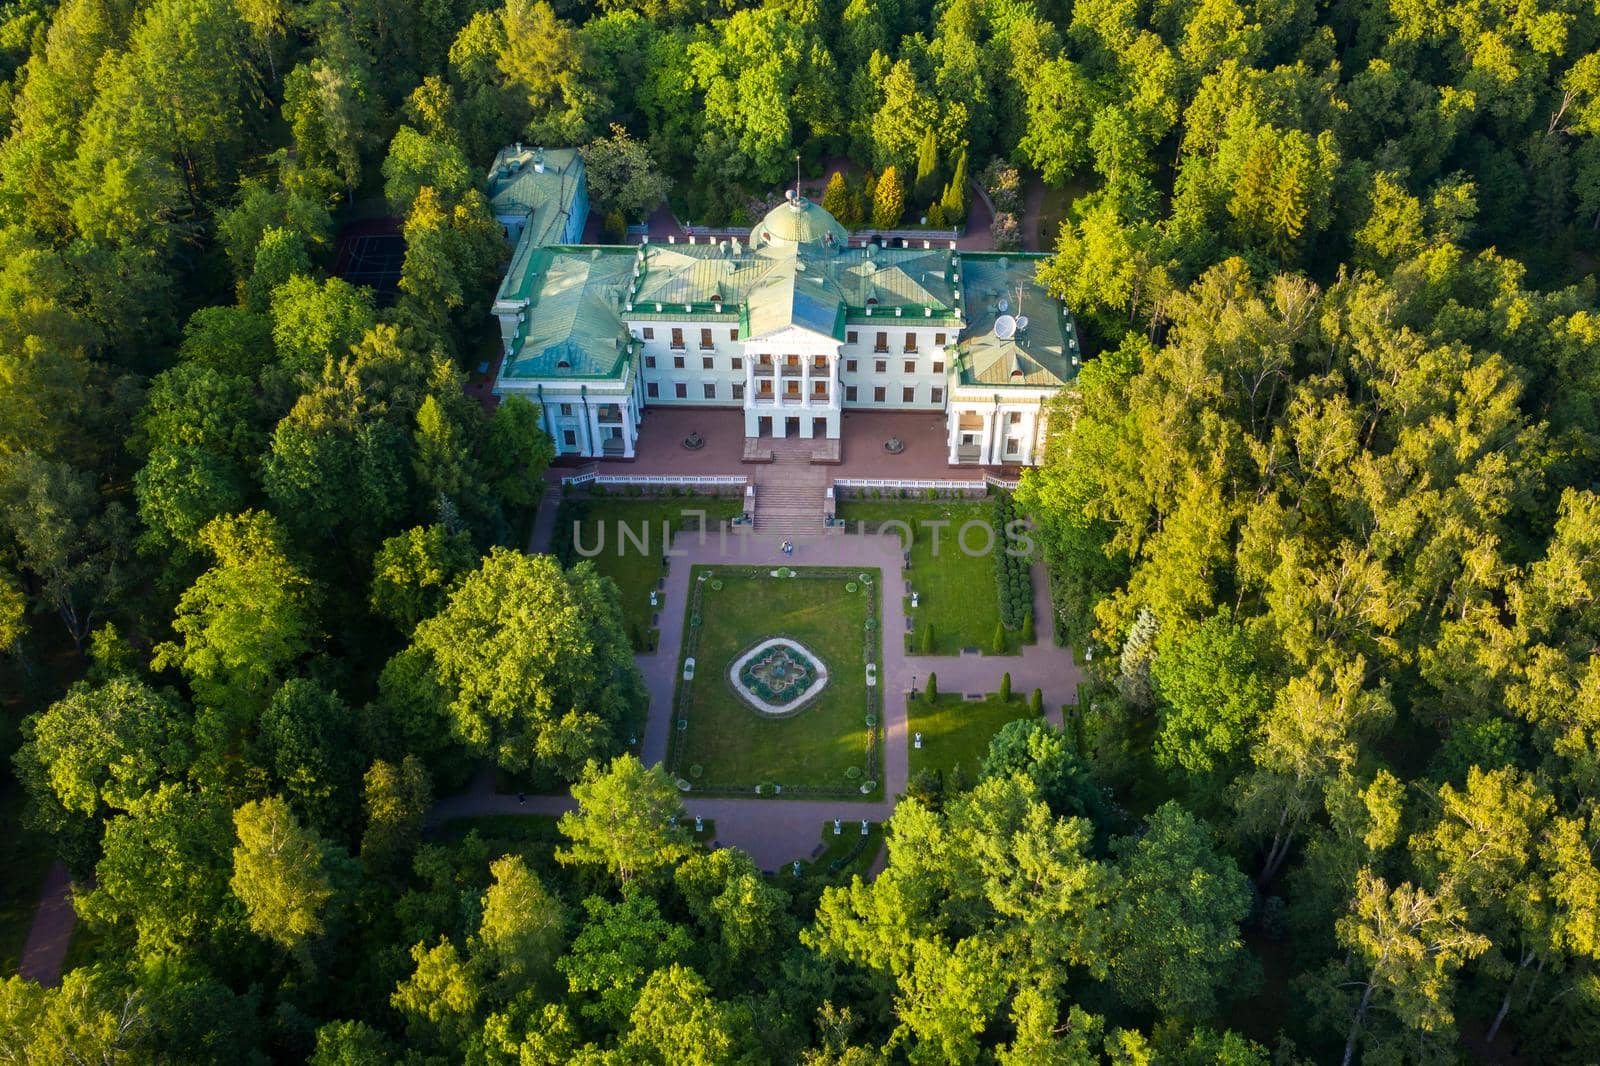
<point x="913" y="686"/>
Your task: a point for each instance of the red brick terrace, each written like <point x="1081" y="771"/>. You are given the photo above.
<point x="660" y="449"/>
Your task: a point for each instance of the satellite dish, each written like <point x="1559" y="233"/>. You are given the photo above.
<point x="1004" y="305"/>
<point x="1022" y="323"/>
<point x="1005" y="327"/>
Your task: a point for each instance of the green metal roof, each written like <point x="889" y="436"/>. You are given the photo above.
<point x="1039" y="343"/>
<point x="578" y="300"/>
<point x="541" y="183"/>
<point x="573" y="326"/>
<point x="798" y="221"/>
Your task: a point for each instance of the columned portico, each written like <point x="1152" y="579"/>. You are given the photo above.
<point x="791" y="382"/>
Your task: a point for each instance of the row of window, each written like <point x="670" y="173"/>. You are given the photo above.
<point x="707" y="362"/>
<point x="851" y="366"/>
<point x="880" y="393"/>
<point x="880" y="341"/>
<point x="706" y="340"/>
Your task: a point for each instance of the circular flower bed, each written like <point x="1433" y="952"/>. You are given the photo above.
<point x="778" y="676"/>
<point x="849" y="586"/>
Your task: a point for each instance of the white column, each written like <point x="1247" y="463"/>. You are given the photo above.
<point x="952" y="424"/>
<point x="630" y="430"/>
<point x="595" y="451"/>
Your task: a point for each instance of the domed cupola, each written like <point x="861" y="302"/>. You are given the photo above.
<point x="795" y="222"/>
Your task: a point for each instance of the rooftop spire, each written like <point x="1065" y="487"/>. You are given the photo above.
<point x="797" y="177"/>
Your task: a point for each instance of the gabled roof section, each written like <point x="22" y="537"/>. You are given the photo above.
<point x="541" y="183"/>
<point x="572" y="325"/>
<point x="1015" y="333"/>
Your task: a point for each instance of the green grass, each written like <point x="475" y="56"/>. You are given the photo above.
<point x="848" y="851"/>
<point x="637" y="571"/>
<point x="735" y="747"/>
<point x="1055" y="209"/>
<point x="957" y="731"/>
<point x="955" y="591"/>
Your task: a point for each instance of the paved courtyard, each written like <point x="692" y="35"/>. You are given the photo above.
<point x="774" y="831"/>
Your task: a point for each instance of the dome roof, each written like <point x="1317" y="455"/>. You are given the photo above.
<point x="797" y="221"/>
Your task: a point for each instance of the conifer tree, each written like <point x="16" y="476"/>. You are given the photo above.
<point x="836" y="197"/>
<point x="954" y="200"/>
<point x="888" y="201"/>
<point x="926" y="187"/>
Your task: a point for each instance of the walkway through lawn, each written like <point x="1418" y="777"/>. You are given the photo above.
<point x="773" y="831"/>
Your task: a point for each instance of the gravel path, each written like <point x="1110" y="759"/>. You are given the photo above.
<point x="774" y="831"/>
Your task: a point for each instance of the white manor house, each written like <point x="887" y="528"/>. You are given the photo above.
<point x="793" y="325"/>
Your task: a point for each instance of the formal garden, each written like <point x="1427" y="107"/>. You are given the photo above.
<point x="592" y="526"/>
<point x="974" y="598"/>
<point x="774" y="693"/>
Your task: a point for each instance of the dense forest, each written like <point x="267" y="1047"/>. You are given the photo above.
<point x="1321" y="517"/>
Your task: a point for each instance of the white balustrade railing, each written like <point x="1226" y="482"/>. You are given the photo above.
<point x="658" y="480"/>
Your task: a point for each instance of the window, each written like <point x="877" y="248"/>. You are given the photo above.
<point x="710" y="390"/>
<point x="852" y="337"/>
<point x="681" y="391"/>
<point x="938" y="340"/>
<point x="733" y="334"/>
<point x="651" y="390"/>
<point x="882" y="343"/>
<point x="566" y="410"/>
<point x="908" y="394"/>
<point x="677" y="336"/>
<point x="570" y="438"/>
<point x="705" y="362"/>
<point x="650" y="362"/>
<point x="738" y="363"/>
<point x="911" y="342"/>
<point x="1015" y="418"/>
<point x="1013" y="445"/>
<point x="937" y="397"/>
<point x="880" y="394"/>
<point x="677" y="362"/>
<point x="850" y="366"/>
<point x="911" y="366"/>
<point x="881" y="366"/>
<point x="649" y="333"/>
<point x="849" y="394"/>
<point x="938" y="366"/>
<point x="738" y="390"/>
<point x="705" y="339"/>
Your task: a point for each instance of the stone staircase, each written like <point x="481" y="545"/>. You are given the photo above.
<point x="790" y="491"/>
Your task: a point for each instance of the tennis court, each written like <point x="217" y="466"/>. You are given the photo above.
<point x="372" y="254"/>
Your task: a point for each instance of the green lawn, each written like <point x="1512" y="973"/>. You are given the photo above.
<point x="846" y="855"/>
<point x="825" y="745"/>
<point x="636" y="571"/>
<point x="1056" y="207"/>
<point x="955" y="591"/>
<point x="957" y="731"/>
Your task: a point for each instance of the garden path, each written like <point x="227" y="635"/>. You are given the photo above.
<point x="774" y="831"/>
<point x="45" y="951"/>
